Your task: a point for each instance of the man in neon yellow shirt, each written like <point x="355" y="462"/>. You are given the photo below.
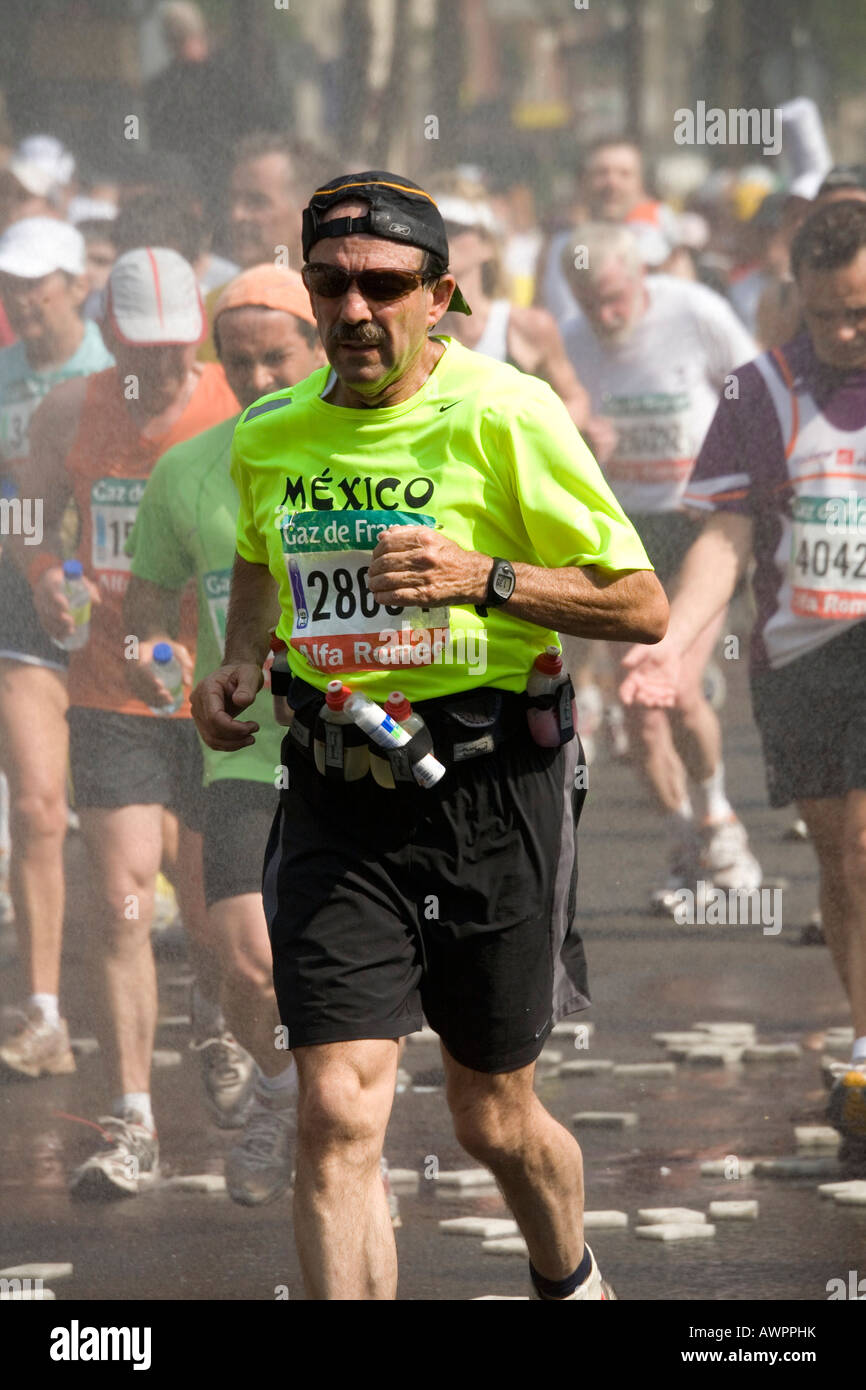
<point x="459" y="898"/>
<point x="185" y="527"/>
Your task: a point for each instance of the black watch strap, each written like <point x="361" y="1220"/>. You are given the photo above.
<point x="492" y="599"/>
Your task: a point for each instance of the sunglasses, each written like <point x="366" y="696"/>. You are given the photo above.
<point x="383" y="286"/>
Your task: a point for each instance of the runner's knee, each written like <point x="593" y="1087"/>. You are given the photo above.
<point x="39" y="815"/>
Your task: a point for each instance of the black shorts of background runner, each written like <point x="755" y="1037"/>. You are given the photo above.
<point x="237" y="822"/>
<point x="135" y="760"/>
<point x="666" y="537"/>
<point x="459" y="900"/>
<point x="811" y="715"/>
<point x="22" y="636"/>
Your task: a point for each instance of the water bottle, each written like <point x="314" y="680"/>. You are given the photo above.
<point x="383" y="730"/>
<point x="167" y="669"/>
<point x="545" y="678"/>
<point x="339" y="747"/>
<point x="278" y="678"/>
<point x="398" y="707"/>
<point x="78" y="598"/>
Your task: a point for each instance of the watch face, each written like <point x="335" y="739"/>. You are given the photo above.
<point x="503" y="581"/>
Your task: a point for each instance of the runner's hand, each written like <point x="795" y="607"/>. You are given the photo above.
<point x="52" y="605"/>
<point x="652" y="675"/>
<point x="219" y="698"/>
<point x="602" y="437"/>
<point x="416" y="566"/>
<point x="141" y="679"/>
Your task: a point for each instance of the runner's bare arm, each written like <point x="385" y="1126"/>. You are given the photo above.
<point x="417" y="565"/>
<point x="52" y="431"/>
<point x="538" y="329"/>
<point x="217" y="700"/>
<point x="703" y="588"/>
<point x="152" y="613"/>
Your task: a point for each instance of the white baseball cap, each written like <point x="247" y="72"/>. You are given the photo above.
<point x="42" y="165"/>
<point x="153" y="297"/>
<point x="36" y="246"/>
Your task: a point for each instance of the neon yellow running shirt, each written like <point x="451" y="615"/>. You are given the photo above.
<point x="484" y="452"/>
<point x="184" y="529"/>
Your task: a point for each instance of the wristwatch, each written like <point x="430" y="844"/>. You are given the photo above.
<point x="500" y="586"/>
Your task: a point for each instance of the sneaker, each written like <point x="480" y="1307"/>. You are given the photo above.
<point x="846" y="1108"/>
<point x="37" y="1049"/>
<point x="229" y="1076"/>
<point x="619" y="745"/>
<point x="259" y="1167"/>
<point x="797" y="830"/>
<point x="125" y="1166"/>
<point x="813" y="932"/>
<point x="726" y="857"/>
<point x="593" y="1289"/>
<point x="393" y="1204"/>
<point x="682" y="874"/>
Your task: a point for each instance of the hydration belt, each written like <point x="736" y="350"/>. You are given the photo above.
<point x="459" y="727"/>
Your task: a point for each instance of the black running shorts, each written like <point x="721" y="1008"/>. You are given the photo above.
<point x="458" y="900"/>
<point x="135" y="760"/>
<point x="811" y="715"/>
<point x="238" y="815"/>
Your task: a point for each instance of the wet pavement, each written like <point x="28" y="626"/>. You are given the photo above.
<point x="647" y="975"/>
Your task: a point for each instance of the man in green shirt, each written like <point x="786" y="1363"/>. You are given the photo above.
<point x="378" y="499"/>
<point x="185" y="528"/>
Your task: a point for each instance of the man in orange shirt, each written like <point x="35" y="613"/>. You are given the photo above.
<point x="98" y="440"/>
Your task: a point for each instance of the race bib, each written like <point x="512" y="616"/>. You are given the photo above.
<point x="652" y="438"/>
<point x="337" y="621"/>
<point x="828" y="557"/>
<point x="15" y="419"/>
<point x="113" y="507"/>
<point x="217" y="584"/>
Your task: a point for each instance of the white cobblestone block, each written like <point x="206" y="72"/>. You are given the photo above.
<point x="174" y="1021"/>
<point x="586" y="1066"/>
<point x="734" y="1211"/>
<point x="489" y="1227"/>
<point x="679" y="1039"/>
<point x="196" y="1182"/>
<point x="423" y="1035"/>
<point x="37" y="1269"/>
<point x="604" y="1220"/>
<point x="817" y="1137"/>
<point x="720" y="1167"/>
<point x="712" y="1055"/>
<point x="604" y="1119"/>
<point x="853" y="1198"/>
<point x="667" y="1216"/>
<point x="626" y="1069"/>
<point x="677" y="1230"/>
<point x="773" y="1052"/>
<point x="465" y="1177"/>
<point x="84" y="1047"/>
<point x="741" y="1031"/>
<point x="551" y="1056"/>
<point x="506" y="1245"/>
<point x="477" y="1193"/>
<point x="831" y="1189"/>
<point x="406" y="1179"/>
<point x="165" y="1057"/>
<point x="571" y="1030"/>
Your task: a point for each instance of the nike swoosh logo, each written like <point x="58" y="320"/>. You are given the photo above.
<point x="448" y="407"/>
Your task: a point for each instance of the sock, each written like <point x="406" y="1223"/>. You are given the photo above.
<point x="47" y="1006"/>
<point x="561" y="1288"/>
<point x="681" y="820"/>
<point x="135" y="1100"/>
<point x="207" y="1016"/>
<point x="278" y="1088"/>
<point x="858" y="1052"/>
<point x="709" y="798"/>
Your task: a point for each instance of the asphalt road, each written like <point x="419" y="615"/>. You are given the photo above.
<point x="646" y="975"/>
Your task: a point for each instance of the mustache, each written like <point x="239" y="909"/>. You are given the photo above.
<point x="365" y="333"/>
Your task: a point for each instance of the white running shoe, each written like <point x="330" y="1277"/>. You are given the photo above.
<point x="37" y="1048"/>
<point x="229" y="1076"/>
<point x="125" y="1166"/>
<point x="594" y="1288"/>
<point x="258" y="1169"/>
<point x="683" y="872"/>
<point x="725" y="855"/>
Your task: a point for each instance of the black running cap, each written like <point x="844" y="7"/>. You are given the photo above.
<point x="844" y="176"/>
<point x="399" y="211"/>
